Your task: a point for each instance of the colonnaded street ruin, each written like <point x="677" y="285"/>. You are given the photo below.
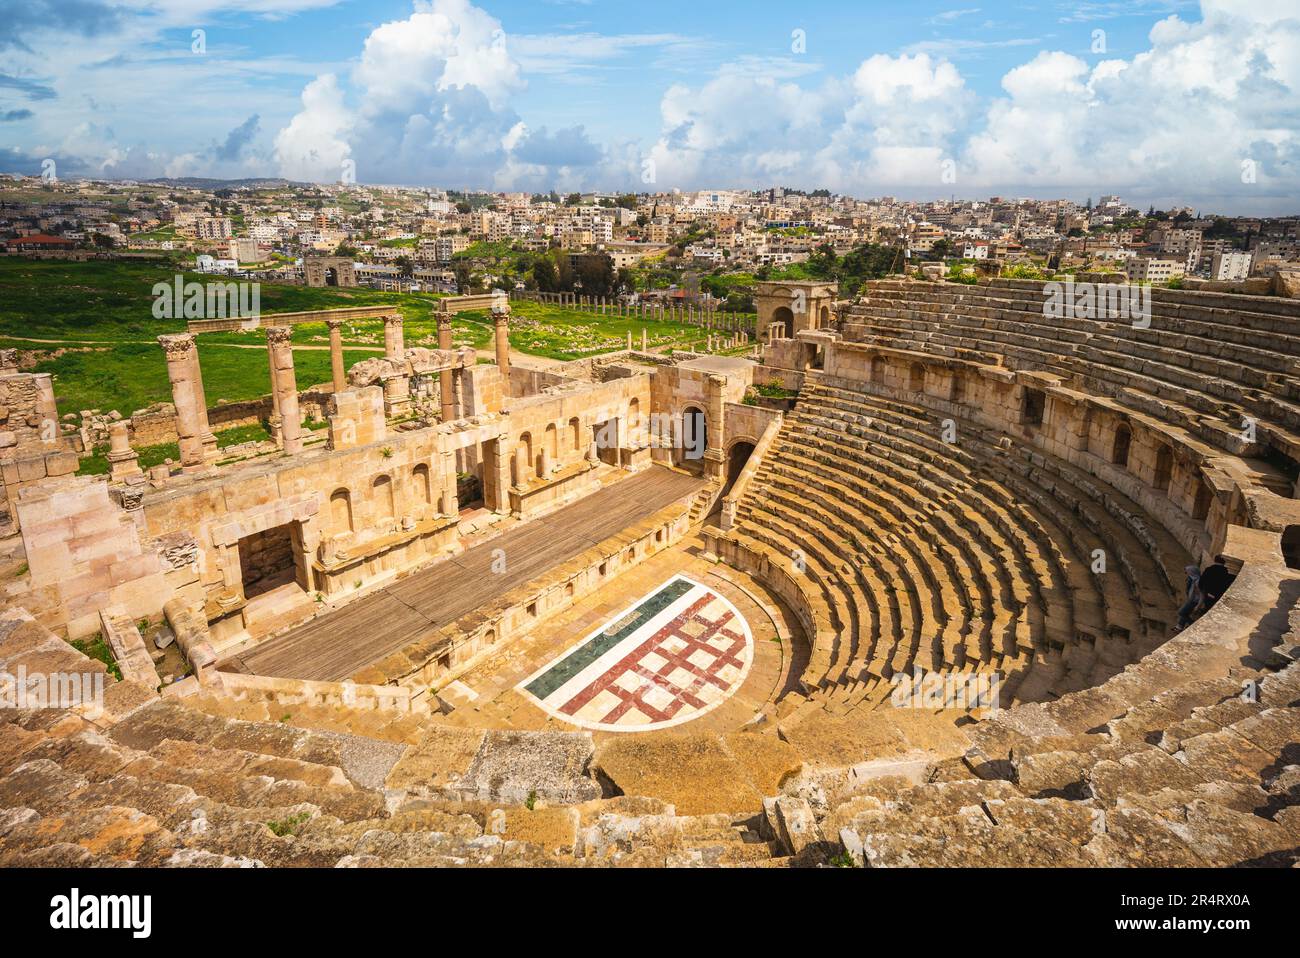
<point x="924" y="611"/>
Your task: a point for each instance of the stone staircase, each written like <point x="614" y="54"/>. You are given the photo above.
<point x="1189" y="773"/>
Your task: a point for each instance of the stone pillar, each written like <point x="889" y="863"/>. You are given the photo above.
<point x="397" y="387"/>
<point x="629" y="340"/>
<point x="501" y="323"/>
<point x="178" y="348"/>
<point x="275" y="421"/>
<point x="279" y="340"/>
<point x="714" y="400"/>
<point x="201" y="403"/>
<point x="644" y="340"/>
<point x="523" y="468"/>
<point x="394" y="339"/>
<point x="446" y="391"/>
<point x="544" y="464"/>
<point x="122" y="458"/>
<point x="496" y="474"/>
<point x="450" y="506"/>
<point x="336" y="354"/>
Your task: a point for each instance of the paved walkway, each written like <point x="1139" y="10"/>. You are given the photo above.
<point x="339" y="644"/>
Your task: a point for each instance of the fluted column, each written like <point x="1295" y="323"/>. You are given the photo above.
<point x="275" y="421"/>
<point x="279" y="340"/>
<point x="178" y="348"/>
<point x="336" y="354"/>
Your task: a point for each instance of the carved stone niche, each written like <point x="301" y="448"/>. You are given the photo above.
<point x="129" y="498"/>
<point x="177" y="549"/>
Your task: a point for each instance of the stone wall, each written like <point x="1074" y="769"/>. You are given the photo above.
<point x="1078" y="428"/>
<point x="87" y="553"/>
<point x="156" y="425"/>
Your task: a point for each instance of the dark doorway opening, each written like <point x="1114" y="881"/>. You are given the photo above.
<point x="267" y="561"/>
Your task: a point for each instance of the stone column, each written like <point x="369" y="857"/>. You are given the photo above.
<point x="201" y="403"/>
<point x="336" y="354"/>
<point x="496" y="474"/>
<point x="279" y="340"/>
<point x="714" y="400"/>
<point x="501" y="322"/>
<point x="178" y="348"/>
<point x="445" y="390"/>
<point x="394" y="339"/>
<point x="275" y="421"/>
<point x="397" y="387"/>
<point x="644" y="340"/>
<point x="522" y="467"/>
<point x="122" y="458"/>
<point x="449" y="506"/>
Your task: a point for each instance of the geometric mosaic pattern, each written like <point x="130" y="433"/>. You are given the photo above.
<point x="668" y="658"/>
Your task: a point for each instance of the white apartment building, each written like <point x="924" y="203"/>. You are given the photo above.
<point x="1154" y="271"/>
<point x="1232" y="265"/>
<point x="213" y="228"/>
<point x="445" y="247"/>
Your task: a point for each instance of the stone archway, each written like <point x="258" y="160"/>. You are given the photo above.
<point x="782" y="323"/>
<point x="691" y="439"/>
<point x="738" y="454"/>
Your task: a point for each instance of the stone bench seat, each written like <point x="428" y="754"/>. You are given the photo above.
<point x="830" y="514"/>
<point x="1095" y="631"/>
<point x="820" y="563"/>
<point x="881" y="507"/>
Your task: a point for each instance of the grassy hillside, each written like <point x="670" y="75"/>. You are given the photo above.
<point x="99" y="333"/>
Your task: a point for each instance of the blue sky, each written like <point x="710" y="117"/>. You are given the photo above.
<point x="1172" y="101"/>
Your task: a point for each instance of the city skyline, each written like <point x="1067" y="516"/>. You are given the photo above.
<point x="949" y="99"/>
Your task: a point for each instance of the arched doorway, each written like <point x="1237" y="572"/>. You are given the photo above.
<point x="331" y="276"/>
<point x="737" y="456"/>
<point x="1291" y="546"/>
<point x="782" y="324"/>
<point x="691" y="440"/>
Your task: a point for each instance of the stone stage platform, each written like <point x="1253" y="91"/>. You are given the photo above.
<point x="339" y="644"/>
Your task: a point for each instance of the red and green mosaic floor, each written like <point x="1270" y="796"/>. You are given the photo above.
<point x="672" y="656"/>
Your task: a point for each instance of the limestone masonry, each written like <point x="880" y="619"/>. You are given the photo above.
<point x="631" y="610"/>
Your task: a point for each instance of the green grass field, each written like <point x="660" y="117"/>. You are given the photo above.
<point x="100" y="334"/>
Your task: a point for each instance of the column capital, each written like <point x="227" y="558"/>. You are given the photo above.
<point x="176" y="345"/>
<point x="393" y="319"/>
<point x="334" y="324"/>
<point x="279" y="335"/>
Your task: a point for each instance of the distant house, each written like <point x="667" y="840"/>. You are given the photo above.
<point x="37" y="242"/>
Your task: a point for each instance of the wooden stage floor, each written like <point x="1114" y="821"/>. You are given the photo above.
<point x="339" y="644"/>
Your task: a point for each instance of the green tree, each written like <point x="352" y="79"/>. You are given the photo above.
<point x="545" y="277"/>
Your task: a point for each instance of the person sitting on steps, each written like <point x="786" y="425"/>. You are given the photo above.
<point x="1192" y="597"/>
<point x="1215" y="580"/>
